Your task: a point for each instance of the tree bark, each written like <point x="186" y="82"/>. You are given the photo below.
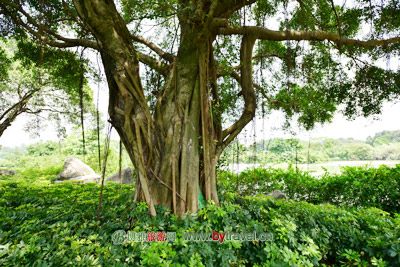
<point x="174" y="150"/>
<point x="185" y="130"/>
<point x="9" y="115"/>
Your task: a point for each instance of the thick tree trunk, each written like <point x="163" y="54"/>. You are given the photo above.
<point x="185" y="131"/>
<point x="174" y="149"/>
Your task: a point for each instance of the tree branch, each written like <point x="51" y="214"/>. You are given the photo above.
<point x="267" y="34"/>
<point x="153" y="63"/>
<point x="10" y="114"/>
<point x="225" y="8"/>
<point x="339" y="26"/>
<point x="21" y="102"/>
<point x="236" y="76"/>
<point x="42" y="32"/>
<point x="165" y="55"/>
<point x="249" y="96"/>
<point x="260" y="56"/>
<point x="40" y="110"/>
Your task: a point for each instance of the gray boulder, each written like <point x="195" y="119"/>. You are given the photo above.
<point x="126" y="177"/>
<point x="277" y="194"/>
<point x="77" y="171"/>
<point x="7" y="172"/>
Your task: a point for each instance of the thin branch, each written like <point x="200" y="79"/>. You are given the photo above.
<point x="80" y="42"/>
<point x="339" y="26"/>
<point x="44" y="35"/>
<point x="261" y="56"/>
<point x="37" y="111"/>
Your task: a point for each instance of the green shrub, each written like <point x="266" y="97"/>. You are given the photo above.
<point x="43" y="148"/>
<point x="45" y="224"/>
<point x="56" y="225"/>
<point x="370" y="233"/>
<point x="354" y="187"/>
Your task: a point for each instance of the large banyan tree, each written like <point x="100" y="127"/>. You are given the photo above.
<point x="209" y="64"/>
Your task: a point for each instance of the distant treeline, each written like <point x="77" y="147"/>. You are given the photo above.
<point x="382" y="146"/>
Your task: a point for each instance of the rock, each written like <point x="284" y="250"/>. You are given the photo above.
<point x="76" y="170"/>
<point x="126" y="177"/>
<point x="277" y="194"/>
<point x="7" y="172"/>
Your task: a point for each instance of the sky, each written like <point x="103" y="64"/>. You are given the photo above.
<point x="340" y="127"/>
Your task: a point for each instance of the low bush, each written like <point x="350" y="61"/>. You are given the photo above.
<point x="354" y="187"/>
<point x="57" y="225"/>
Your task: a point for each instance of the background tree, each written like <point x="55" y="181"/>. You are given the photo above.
<point x="205" y="56"/>
<point x="35" y="81"/>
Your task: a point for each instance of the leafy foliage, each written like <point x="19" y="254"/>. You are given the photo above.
<point x="4" y="64"/>
<point x="55" y="224"/>
<point x="148" y="9"/>
<point x="372" y="86"/>
<point x="45" y="81"/>
<point x="354" y="187"/>
<point x="63" y="68"/>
